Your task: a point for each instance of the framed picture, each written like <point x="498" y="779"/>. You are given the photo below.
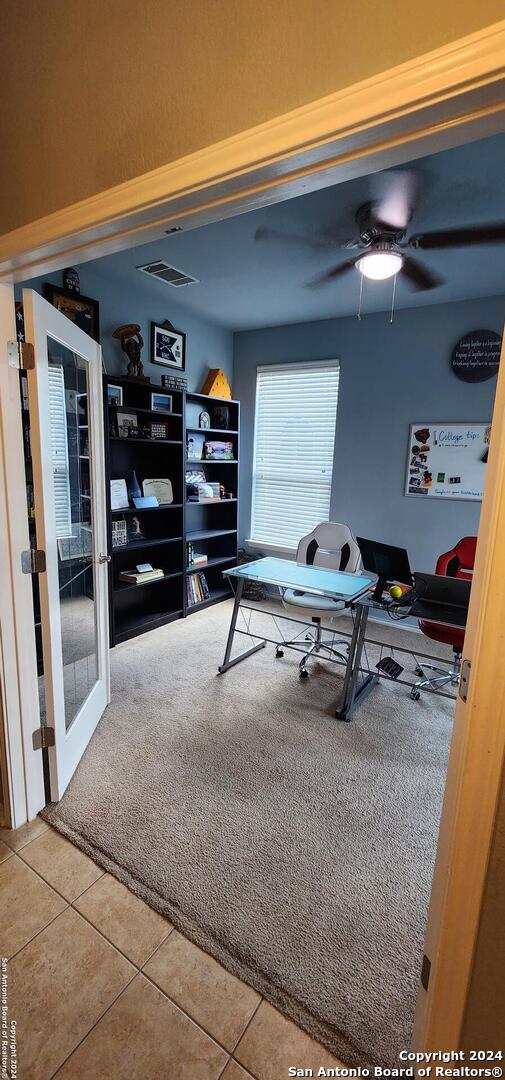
<point x="194" y="446"/>
<point x="161" y="402"/>
<point x="80" y="309"/>
<point x="114" y="395"/>
<point x="159" y="429"/>
<point x="218" y="451"/>
<point x="127" y="425"/>
<point x="118" y="495"/>
<point x="168" y="347"/>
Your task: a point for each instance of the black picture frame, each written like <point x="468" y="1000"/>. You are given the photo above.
<point x="164" y="340"/>
<point x="81" y="310"/>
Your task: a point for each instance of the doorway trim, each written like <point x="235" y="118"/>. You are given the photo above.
<point x="449" y="96"/>
<point x="453" y="95"/>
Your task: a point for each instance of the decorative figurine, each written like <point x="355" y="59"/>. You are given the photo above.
<point x="134" y="531"/>
<point x="132" y="343"/>
<point x="204" y="420"/>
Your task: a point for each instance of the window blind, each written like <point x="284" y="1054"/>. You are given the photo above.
<point x="59" y="451"/>
<point x="294" y="439"/>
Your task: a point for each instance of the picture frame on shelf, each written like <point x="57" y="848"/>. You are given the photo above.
<point x="217" y="450"/>
<point x="221" y="414"/>
<point x="114" y="395"/>
<point x="119" y="533"/>
<point x="168" y="346"/>
<point x="195" y="446"/>
<point x="81" y="310"/>
<point x="161" y="402"/>
<point x="127" y="425"/>
<point x="158" y="429"/>
<point x="161" y="488"/>
<point x="118" y="495"/>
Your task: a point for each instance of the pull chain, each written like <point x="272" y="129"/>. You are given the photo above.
<point x="360" y="296"/>
<point x="393" y="299"/>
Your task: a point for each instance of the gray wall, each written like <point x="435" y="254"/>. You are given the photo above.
<point x="390" y="376"/>
<point x="207" y="345"/>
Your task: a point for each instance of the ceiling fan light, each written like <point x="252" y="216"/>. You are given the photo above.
<point x="379" y="265"/>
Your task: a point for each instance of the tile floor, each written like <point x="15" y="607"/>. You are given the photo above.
<point x="101" y="986"/>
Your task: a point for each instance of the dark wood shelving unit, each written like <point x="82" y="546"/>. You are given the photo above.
<point x="168" y="529"/>
<point x="212" y="528"/>
<point x="134" y="609"/>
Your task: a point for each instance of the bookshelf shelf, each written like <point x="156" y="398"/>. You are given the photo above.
<point x="125" y="586"/>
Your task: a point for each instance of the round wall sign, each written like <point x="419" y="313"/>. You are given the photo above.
<point x="476" y="357"/>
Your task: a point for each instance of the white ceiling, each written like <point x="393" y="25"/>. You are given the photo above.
<point x="245" y="284"/>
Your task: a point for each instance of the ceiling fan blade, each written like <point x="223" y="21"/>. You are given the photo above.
<point x="330" y="275"/>
<point x="394" y="195"/>
<point x="419" y="276"/>
<point x="316" y="242"/>
<point x="449" y="238"/>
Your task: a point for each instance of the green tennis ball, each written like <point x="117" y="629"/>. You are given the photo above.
<point x="396" y="592"/>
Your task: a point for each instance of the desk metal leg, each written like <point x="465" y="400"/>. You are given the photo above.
<point x="227" y="663"/>
<point x="351" y="692"/>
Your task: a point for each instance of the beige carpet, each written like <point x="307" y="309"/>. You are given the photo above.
<point x="297" y="849"/>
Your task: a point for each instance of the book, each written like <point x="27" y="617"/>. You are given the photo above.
<point x="199" y="560"/>
<point x="133" y="577"/>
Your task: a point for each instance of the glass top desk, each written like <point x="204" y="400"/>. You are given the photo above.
<point x="315" y="580"/>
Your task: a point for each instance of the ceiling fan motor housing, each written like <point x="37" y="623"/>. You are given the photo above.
<point x="372" y="230"/>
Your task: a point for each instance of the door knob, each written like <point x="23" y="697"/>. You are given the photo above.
<point x="103" y="558"/>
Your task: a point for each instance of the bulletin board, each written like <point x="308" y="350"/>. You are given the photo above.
<point x="447" y="461"/>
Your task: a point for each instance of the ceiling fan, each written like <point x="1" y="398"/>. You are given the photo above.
<point x="382" y="242"/>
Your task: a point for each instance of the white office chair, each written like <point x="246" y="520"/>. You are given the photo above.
<point x="333" y="546"/>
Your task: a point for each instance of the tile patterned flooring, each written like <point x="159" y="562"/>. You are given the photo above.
<point x="101" y="986"/>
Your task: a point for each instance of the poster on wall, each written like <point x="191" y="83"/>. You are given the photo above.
<point x="447" y="461"/>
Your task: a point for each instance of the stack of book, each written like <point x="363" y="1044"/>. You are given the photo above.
<point x="197" y="588"/>
<point x="133" y="577"/>
<point x="198" y="560"/>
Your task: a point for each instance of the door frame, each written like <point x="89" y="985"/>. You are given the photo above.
<point x="18" y="654"/>
<point x="447" y="97"/>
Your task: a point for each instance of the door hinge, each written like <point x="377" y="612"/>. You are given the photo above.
<point x="33" y="561"/>
<point x="21" y="354"/>
<point x="42" y="738"/>
<point x="464" y="679"/>
<point x="425" y="972"/>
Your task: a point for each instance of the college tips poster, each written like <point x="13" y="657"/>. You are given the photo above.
<point x="447" y="461"/>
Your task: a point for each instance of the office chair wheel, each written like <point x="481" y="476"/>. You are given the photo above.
<point x="415" y="694"/>
<point x="303" y="673"/>
<point x="418" y="671"/>
<point x="279" y="653"/>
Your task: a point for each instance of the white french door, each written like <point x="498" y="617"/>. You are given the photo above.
<point x="67" y="447"/>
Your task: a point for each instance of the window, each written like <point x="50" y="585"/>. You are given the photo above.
<point x="294" y="438"/>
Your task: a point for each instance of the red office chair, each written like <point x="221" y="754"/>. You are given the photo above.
<point x="456" y="563"/>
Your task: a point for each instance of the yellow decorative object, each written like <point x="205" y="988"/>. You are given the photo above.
<point x="216" y="384"/>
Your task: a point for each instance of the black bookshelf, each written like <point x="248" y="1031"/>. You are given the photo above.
<point x="134" y="609"/>
<point x="168" y="530"/>
<point x="212" y="528"/>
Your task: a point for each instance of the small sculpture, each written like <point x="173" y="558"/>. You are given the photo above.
<point x="132" y="343"/>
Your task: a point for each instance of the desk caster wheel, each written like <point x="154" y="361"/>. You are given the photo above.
<point x="279" y="653"/>
<point x="418" y="671"/>
<point x="304" y="673"/>
<point x="415" y="694"/>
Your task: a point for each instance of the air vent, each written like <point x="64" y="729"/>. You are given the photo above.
<point x="169" y="274"/>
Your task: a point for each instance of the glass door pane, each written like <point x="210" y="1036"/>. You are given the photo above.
<point x="71" y="451"/>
